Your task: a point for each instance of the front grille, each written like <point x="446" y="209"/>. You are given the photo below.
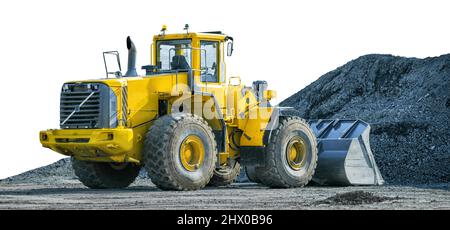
<point x="87" y="105"/>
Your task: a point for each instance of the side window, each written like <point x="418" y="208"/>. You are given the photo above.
<point x="169" y="54"/>
<point x="209" y="61"/>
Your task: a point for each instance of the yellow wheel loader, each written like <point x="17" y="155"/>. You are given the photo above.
<point x="189" y="126"/>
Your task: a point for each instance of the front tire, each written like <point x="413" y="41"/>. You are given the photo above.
<point x="102" y="175"/>
<point x="291" y="155"/>
<point x="180" y="152"/>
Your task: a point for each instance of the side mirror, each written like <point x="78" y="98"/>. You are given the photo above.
<point x="229" y="49"/>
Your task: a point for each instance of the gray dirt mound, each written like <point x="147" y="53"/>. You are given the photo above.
<point x="407" y="103"/>
<point x="57" y="172"/>
<point x="355" y="198"/>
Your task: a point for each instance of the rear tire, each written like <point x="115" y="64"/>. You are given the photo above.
<point x="225" y="176"/>
<point x="100" y="175"/>
<point x="180" y="152"/>
<point x="291" y="155"/>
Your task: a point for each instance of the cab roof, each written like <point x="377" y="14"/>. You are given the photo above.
<point x="214" y="35"/>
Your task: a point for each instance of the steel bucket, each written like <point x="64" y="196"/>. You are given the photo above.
<point x="345" y="157"/>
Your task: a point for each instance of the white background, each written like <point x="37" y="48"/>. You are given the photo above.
<point x="288" y="43"/>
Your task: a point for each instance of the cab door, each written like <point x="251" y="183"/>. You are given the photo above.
<point x="212" y="79"/>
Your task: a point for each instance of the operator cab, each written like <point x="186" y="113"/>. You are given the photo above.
<point x="200" y="54"/>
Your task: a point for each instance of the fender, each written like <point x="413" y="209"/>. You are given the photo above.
<point x="275" y="118"/>
<point x="255" y="155"/>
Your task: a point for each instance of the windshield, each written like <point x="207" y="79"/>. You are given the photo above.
<point x="174" y="54"/>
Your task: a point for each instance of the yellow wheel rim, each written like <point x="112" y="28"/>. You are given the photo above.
<point x="192" y="153"/>
<point x="296" y="153"/>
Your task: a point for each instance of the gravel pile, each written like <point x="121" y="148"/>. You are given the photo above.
<point x="56" y="173"/>
<point x="59" y="172"/>
<point x="355" y="198"/>
<point x="407" y="103"/>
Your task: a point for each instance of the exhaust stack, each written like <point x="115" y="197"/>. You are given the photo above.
<point x="131" y="71"/>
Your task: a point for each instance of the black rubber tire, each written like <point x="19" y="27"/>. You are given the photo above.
<point x="161" y="152"/>
<point x="252" y="175"/>
<point x="225" y="176"/>
<point x="100" y="175"/>
<point x="277" y="173"/>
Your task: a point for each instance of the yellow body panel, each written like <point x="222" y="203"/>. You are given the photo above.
<point x="143" y="94"/>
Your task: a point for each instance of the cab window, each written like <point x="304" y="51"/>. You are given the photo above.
<point x="173" y="55"/>
<point x="209" y="61"/>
